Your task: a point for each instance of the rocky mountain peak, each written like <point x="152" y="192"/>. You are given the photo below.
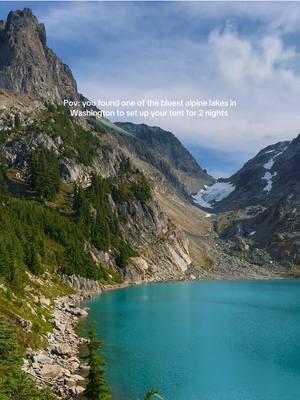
<point x="22" y="22"/>
<point x="27" y="65"/>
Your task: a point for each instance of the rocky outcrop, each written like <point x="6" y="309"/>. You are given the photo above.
<point x="162" y="246"/>
<point x="79" y="283"/>
<point x="27" y="65"/>
<point x="72" y="171"/>
<point x="271" y="235"/>
<point x="165" y="259"/>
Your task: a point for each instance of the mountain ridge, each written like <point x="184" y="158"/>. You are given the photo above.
<point x="167" y="145"/>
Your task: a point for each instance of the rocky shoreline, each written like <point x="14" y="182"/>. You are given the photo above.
<point x="59" y="366"/>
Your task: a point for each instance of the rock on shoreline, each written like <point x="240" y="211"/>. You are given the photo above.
<point x="59" y="366"/>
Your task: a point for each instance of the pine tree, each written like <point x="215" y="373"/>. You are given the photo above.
<point x="101" y="233"/>
<point x="82" y="210"/>
<point x="14" y="383"/>
<point x="125" y="166"/>
<point x="44" y="173"/>
<point x="125" y="252"/>
<point x="34" y="262"/>
<point x="96" y="388"/>
<point x="17" y="121"/>
<point x="152" y="393"/>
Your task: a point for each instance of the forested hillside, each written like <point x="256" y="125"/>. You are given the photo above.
<point x="75" y="205"/>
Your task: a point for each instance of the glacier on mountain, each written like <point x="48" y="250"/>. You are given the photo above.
<point x="216" y="192"/>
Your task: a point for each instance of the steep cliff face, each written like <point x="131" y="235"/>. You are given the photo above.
<point x="166" y="147"/>
<point x="171" y="167"/>
<point x="27" y="65"/>
<point x="163" y="248"/>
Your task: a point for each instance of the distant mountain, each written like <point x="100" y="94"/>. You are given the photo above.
<point x="27" y="65"/>
<point x="264" y="204"/>
<point x="273" y="173"/>
<point x="166" y="154"/>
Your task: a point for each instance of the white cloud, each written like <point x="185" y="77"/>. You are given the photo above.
<point x="242" y="62"/>
<point x="138" y="53"/>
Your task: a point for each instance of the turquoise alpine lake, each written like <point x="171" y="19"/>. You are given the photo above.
<point x="208" y="340"/>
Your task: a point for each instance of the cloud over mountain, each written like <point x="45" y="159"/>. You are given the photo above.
<point x="189" y="50"/>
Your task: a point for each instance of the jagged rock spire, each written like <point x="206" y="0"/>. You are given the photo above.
<point x="27" y="65"/>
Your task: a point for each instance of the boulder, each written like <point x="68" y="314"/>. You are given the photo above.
<point x="75" y="390"/>
<point x="45" y="301"/>
<point x="63" y="349"/>
<point x="50" y="371"/>
<point x="78" y="378"/>
<point x="42" y="358"/>
<point x="79" y="312"/>
<point x="73" y="363"/>
<point x="61" y="327"/>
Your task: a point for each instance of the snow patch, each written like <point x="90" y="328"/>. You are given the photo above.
<point x="268" y="177"/>
<point x="281" y="152"/>
<point x="216" y="192"/>
<point x="199" y="200"/>
<point x="269" y="164"/>
<point x="269" y="151"/>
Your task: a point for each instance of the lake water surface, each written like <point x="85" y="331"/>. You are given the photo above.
<point x="210" y="340"/>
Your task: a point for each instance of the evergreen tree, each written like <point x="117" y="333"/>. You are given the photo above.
<point x="2" y="175"/>
<point x="125" y="252"/>
<point x="101" y="236"/>
<point x="34" y="262"/>
<point x="44" y="173"/>
<point x="14" y="383"/>
<point x="32" y="235"/>
<point x="125" y="166"/>
<point x="96" y="388"/>
<point x="17" y="121"/>
<point x="142" y="190"/>
<point x="82" y="210"/>
<point x="152" y="393"/>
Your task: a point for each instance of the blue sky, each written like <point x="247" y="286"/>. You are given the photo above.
<point x="249" y="52"/>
